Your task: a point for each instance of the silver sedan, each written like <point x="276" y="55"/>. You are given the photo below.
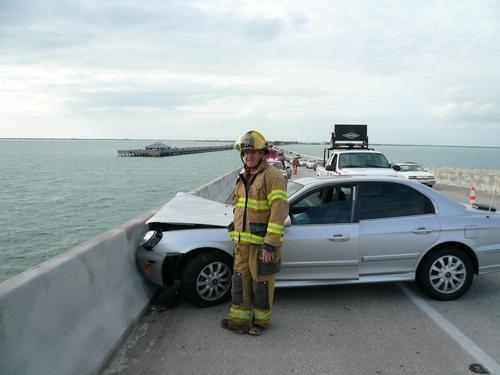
<point x="341" y="230"/>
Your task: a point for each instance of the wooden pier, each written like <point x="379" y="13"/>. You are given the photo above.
<point x="160" y="152"/>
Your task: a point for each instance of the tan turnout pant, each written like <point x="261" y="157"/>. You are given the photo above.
<point x="252" y="294"/>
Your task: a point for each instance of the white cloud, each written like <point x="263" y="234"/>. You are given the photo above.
<point x="220" y="66"/>
<point x="473" y="110"/>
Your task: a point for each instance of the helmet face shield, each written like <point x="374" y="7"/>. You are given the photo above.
<point x="245" y="143"/>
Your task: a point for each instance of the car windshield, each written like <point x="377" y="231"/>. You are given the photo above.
<point x="363" y="160"/>
<point x="293" y="187"/>
<point x="276" y="164"/>
<point x="411" y="168"/>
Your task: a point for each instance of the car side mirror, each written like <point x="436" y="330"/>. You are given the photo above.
<point x="396" y="167"/>
<point x="288" y="221"/>
<point x="330" y="167"/>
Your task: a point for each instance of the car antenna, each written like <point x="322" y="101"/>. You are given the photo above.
<point x="492" y="198"/>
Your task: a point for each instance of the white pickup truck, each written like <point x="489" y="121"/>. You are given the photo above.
<point x="356" y="162"/>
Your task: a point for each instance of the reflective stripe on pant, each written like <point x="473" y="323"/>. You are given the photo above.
<point x="252" y="294"/>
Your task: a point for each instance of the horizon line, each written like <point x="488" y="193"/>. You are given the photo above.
<point x="222" y="140"/>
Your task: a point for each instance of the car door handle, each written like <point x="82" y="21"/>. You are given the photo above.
<point x="339" y="237"/>
<point x="422" y="230"/>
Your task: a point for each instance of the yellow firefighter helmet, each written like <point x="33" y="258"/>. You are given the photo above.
<point x="251" y="141"/>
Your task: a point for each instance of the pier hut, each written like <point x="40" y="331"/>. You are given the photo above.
<point x="158" y="146"/>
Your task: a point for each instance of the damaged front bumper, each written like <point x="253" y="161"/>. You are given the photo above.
<point x="160" y="268"/>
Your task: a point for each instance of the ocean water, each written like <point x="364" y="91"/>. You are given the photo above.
<point x="55" y="194"/>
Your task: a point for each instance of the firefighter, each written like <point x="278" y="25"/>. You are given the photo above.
<point x="261" y="207"/>
<point x="295" y="164"/>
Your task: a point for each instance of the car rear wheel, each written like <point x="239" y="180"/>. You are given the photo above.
<point x="445" y="274"/>
<point x="206" y="279"/>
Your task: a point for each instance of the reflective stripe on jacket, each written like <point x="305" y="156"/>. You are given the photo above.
<point x="261" y="207"/>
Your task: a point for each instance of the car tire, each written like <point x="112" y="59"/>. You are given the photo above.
<point x="445" y="274"/>
<point x="206" y="279"/>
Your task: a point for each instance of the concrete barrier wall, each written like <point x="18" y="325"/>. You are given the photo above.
<point x="221" y="189"/>
<point x="480" y="179"/>
<point x="70" y="313"/>
<point x="67" y="314"/>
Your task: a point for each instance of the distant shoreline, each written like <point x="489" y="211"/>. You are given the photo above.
<point x="228" y="141"/>
<point x="429" y="145"/>
<point x="114" y="139"/>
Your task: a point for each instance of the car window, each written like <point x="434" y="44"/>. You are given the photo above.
<point x="328" y="205"/>
<point x="388" y="199"/>
<point x="334" y="161"/>
<point x="277" y="164"/>
<point x="293" y="187"/>
<point x="411" y="168"/>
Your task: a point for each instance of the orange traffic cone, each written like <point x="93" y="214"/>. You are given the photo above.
<point x="472" y="195"/>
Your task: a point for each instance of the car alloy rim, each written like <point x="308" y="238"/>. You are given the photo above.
<point x="213" y="281"/>
<point x="447" y="274"/>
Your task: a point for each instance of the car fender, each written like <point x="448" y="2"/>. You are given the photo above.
<point x="452" y="243"/>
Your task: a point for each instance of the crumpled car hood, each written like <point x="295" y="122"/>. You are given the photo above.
<point x="187" y="208"/>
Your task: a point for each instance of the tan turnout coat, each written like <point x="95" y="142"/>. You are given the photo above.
<point x="261" y="207"/>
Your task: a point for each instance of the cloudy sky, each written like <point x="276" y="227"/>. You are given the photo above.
<point x="424" y="72"/>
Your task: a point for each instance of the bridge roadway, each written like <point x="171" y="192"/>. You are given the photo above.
<point x="357" y="329"/>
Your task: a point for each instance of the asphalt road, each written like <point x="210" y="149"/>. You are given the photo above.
<point x="361" y="329"/>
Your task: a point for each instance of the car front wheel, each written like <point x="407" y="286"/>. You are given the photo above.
<point x="206" y="279"/>
<point x="445" y="274"/>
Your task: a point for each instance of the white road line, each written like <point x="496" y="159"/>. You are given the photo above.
<point x="467" y="344"/>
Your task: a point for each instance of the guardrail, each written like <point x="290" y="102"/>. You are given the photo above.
<point x="69" y="314"/>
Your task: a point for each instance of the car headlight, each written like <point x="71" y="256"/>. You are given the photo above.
<point x="151" y="238"/>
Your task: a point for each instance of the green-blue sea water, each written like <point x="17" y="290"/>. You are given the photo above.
<point x="55" y="194"/>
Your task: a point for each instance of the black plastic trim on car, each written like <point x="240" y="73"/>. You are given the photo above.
<point x="170" y="268"/>
<point x="165" y="227"/>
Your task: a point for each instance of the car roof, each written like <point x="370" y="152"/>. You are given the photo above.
<point x="318" y="180"/>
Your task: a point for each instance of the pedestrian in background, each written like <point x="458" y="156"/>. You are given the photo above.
<point x="295" y="164"/>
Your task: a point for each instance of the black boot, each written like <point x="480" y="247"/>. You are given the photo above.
<point x="230" y="325"/>
<point x="256" y="330"/>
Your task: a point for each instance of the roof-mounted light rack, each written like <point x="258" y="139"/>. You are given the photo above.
<point x="347" y="137"/>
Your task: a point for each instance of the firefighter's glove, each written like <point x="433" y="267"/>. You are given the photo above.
<point x="269" y="262"/>
<point x="266" y="256"/>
